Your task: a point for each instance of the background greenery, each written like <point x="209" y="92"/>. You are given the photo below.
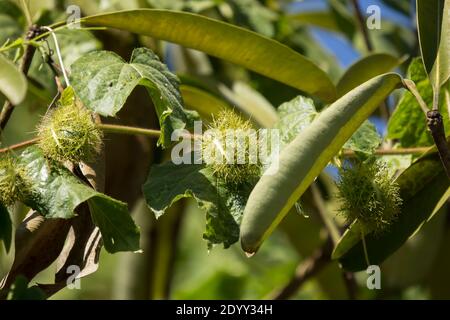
<point x="176" y="262"/>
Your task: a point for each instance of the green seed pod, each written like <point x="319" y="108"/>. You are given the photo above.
<point x="302" y="160"/>
<point x="367" y="193"/>
<point x="68" y="133"/>
<point x="13" y="186"/>
<point x="228" y="137"/>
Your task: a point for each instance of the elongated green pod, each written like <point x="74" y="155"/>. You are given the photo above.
<point x="306" y="156"/>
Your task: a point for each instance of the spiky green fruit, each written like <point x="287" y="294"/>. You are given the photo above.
<point x="13" y="185"/>
<point x="368" y="193"/>
<point x="230" y="147"/>
<point x="68" y="133"/>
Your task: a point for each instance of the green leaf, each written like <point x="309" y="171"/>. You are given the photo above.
<point x="13" y="83"/>
<point x="429" y="24"/>
<point x="424" y="188"/>
<point x="183" y="5"/>
<point x="337" y="19"/>
<point x="441" y="68"/>
<point x="365" y="69"/>
<point x="205" y="103"/>
<point x="168" y="183"/>
<point x="416" y="71"/>
<point x="295" y="116"/>
<point x="306" y="156"/>
<point x="392" y="38"/>
<point x="251" y="103"/>
<point x="119" y="232"/>
<point x="20" y="291"/>
<point x="343" y="18"/>
<point x="403" y="6"/>
<point x="103" y="81"/>
<point x="252" y="14"/>
<point x="225" y="41"/>
<point x="75" y="43"/>
<point x="11" y="21"/>
<point x="365" y="140"/>
<point x="408" y="122"/>
<point x="5" y="227"/>
<point x="322" y="19"/>
<point x="55" y="193"/>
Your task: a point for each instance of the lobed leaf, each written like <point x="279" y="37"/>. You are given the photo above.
<point x="103" y="81"/>
<point x="55" y="193"/>
<point x="168" y="183"/>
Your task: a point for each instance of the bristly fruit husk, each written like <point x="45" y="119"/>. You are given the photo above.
<point x="230" y="173"/>
<point x="368" y="193"/>
<point x="68" y="133"/>
<point x="13" y="183"/>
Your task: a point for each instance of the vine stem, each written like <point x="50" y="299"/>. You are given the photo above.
<point x="113" y="128"/>
<point x="119" y="129"/>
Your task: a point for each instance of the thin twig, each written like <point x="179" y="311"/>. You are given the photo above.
<point x="436" y="126"/>
<point x="362" y="25"/>
<point x="369" y="46"/>
<point x="305" y="271"/>
<point x="112" y="128"/>
<point x="58" y="53"/>
<point x="20" y="145"/>
<point x="333" y="231"/>
<point x="350" y="284"/>
<point x="381" y="152"/>
<point x="27" y="13"/>
<point x="335" y="235"/>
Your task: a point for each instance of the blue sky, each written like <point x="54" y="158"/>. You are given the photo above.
<point x="340" y="47"/>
